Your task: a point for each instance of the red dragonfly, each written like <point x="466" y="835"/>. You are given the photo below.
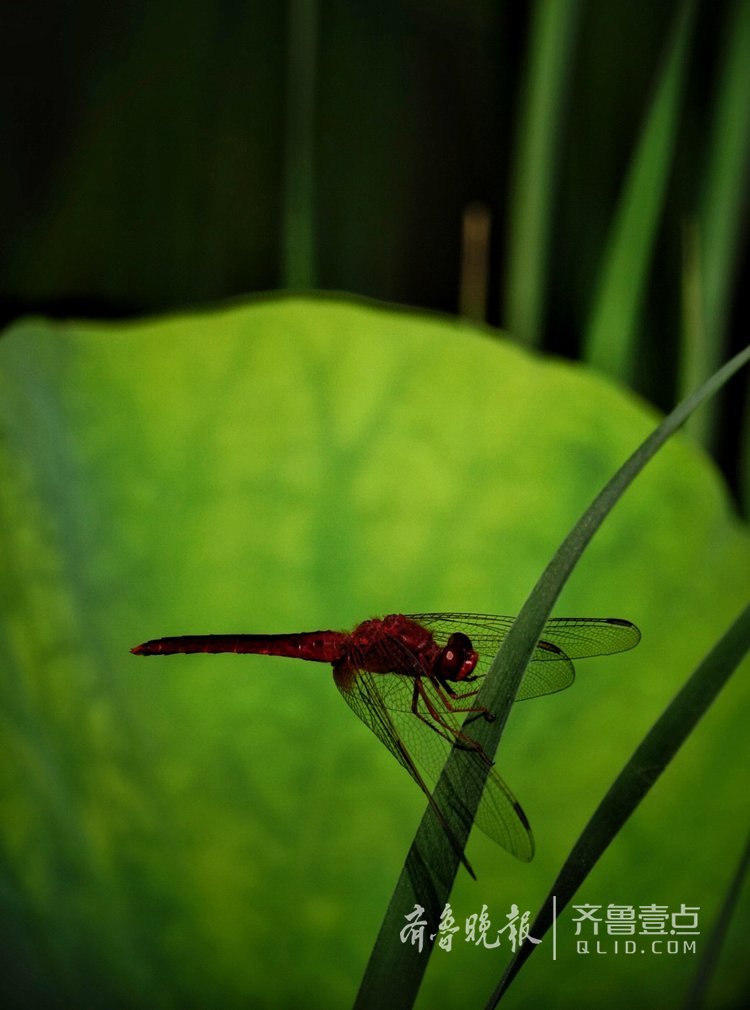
<point x="410" y="677"/>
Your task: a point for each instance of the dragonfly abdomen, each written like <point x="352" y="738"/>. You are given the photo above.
<point x="317" y="646"/>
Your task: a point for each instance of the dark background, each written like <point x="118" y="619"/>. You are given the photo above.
<point x="150" y="152"/>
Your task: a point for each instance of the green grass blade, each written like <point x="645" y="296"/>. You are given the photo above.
<point x="299" y="266"/>
<point x="610" y="338"/>
<point x="744" y="460"/>
<point x="553" y="31"/>
<point x="650" y="759"/>
<point x="504" y="677"/>
<point x="395" y="969"/>
<point x="709" y="961"/>
<point x="720" y="214"/>
<point x="693" y="324"/>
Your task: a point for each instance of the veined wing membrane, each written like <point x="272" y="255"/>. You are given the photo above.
<point x="563" y="639"/>
<point x="421" y="743"/>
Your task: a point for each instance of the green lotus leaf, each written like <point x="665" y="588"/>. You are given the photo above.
<point x="220" y="830"/>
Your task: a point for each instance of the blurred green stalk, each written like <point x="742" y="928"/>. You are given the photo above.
<point x="712" y="260"/>
<point x="299" y="269"/>
<point x="542" y="110"/>
<point x="611" y="337"/>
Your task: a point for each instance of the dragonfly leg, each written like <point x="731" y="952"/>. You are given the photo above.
<point x="454" y="694"/>
<point x="447" y="695"/>
<point x="438" y="724"/>
<point x="486" y="715"/>
<point x="479" y="712"/>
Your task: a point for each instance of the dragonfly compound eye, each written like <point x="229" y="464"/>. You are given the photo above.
<point x="457" y="659"/>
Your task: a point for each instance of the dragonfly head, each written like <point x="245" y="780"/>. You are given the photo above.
<point x="457" y="659"/>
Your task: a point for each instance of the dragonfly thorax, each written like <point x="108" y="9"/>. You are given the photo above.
<point x="392" y="644"/>
<point x="397" y="644"/>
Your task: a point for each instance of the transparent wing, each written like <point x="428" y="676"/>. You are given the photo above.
<point x="421" y="742"/>
<point x="563" y="639"/>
